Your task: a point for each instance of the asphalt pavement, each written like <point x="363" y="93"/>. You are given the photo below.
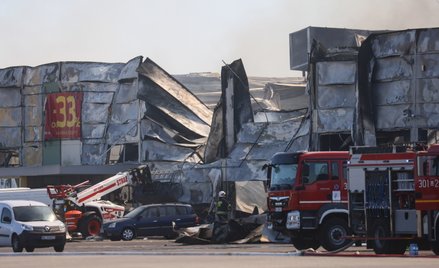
<point x="155" y="252"/>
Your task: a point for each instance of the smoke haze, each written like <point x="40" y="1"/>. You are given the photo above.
<point x="191" y="35"/>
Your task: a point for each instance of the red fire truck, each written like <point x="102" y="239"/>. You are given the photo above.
<point x="307" y="198"/>
<point x="394" y="197"/>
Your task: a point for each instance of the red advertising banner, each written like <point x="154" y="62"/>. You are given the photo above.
<point x="63" y="116"/>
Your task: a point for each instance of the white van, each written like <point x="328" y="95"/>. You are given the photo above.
<point x="29" y="225"/>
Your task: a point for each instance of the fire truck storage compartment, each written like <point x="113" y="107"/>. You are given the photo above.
<point x="405" y="221"/>
<point x="403" y="188"/>
<point x="377" y="197"/>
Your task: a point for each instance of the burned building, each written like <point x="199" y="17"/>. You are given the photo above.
<point x="368" y="88"/>
<point x="69" y="121"/>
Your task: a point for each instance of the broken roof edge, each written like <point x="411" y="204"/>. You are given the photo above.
<point x="173" y="78"/>
<point x="204" y="113"/>
<point x="68" y="61"/>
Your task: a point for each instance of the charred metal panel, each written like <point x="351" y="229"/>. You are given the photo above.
<point x="72" y="72"/>
<point x="163" y="108"/>
<point x="122" y="133"/>
<point x="278" y="116"/>
<point x="93" y="131"/>
<point x="129" y="70"/>
<point x="10" y="97"/>
<point x="336" y="96"/>
<point x="301" y="143"/>
<point x="125" y="112"/>
<point x="393" y="117"/>
<point x="267" y="133"/>
<point x="95" y="113"/>
<point x="428" y="65"/>
<point x="234" y="78"/>
<point x="32" y="156"/>
<point x="33" y="134"/>
<point x="428" y="40"/>
<point x="206" y="86"/>
<point x="33" y="110"/>
<point x="150" y="130"/>
<point x="10" y="136"/>
<point x="249" y="170"/>
<point x="243" y="151"/>
<point x="429" y="90"/>
<point x="250" y="132"/>
<point x="42" y="74"/>
<point x="10" y="117"/>
<point x="33" y="119"/>
<point x="98" y="97"/>
<point x="335" y="120"/>
<point x="286" y="97"/>
<point x="391" y="93"/>
<point x="431" y="109"/>
<point x="403" y="69"/>
<point x="32" y="90"/>
<point x="336" y="73"/>
<point x="91" y="87"/>
<point x="158" y="151"/>
<point x="214" y="144"/>
<point x="92" y="153"/>
<point x="394" y="44"/>
<point x="180" y="95"/>
<point x="301" y="42"/>
<point x="11" y="77"/>
<point x="126" y="93"/>
<point x="393" y="68"/>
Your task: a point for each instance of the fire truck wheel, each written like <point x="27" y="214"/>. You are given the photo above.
<point x="333" y="234"/>
<point x="381" y="229"/>
<point x="303" y="243"/>
<point x="90" y="225"/>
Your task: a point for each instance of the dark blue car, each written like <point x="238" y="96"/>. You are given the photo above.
<point x="151" y="220"/>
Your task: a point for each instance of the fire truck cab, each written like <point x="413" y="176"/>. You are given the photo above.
<point x="394" y="197"/>
<point x="307" y="198"/>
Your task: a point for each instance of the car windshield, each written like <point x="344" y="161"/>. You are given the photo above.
<point x="134" y="213"/>
<point x="283" y="175"/>
<point x="34" y="213"/>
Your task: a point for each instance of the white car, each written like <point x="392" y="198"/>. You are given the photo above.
<point x="29" y="225"/>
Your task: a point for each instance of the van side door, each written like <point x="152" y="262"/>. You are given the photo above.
<point x="5" y="226"/>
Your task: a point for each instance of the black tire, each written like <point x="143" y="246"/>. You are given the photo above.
<point x="16" y="244"/>
<point x="381" y="229"/>
<point x="90" y="225"/>
<point x="128" y="234"/>
<point x="334" y="233"/>
<point x="30" y="249"/>
<point x="59" y="248"/>
<point x="305" y="243"/>
<point x="435" y="244"/>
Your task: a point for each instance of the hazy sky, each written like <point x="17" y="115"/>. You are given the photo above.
<point x="184" y="36"/>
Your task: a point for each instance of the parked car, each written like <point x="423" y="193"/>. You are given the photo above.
<point x="30" y="224"/>
<point x="152" y="220"/>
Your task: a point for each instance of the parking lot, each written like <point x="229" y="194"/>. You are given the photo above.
<point x="157" y="252"/>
